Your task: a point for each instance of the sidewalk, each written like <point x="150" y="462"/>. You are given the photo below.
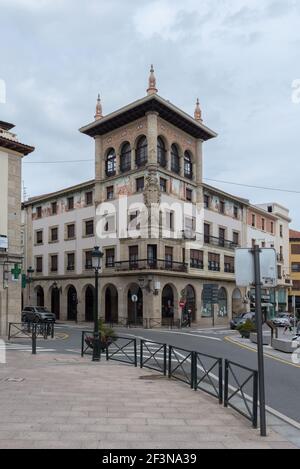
<point x="60" y="401"/>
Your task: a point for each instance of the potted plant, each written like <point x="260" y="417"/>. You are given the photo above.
<point x="246" y="328"/>
<point x="107" y="334"/>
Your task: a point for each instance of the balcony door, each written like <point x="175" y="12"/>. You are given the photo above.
<point x="152" y="255"/>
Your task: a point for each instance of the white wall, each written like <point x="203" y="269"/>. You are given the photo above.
<point x="3" y="193"/>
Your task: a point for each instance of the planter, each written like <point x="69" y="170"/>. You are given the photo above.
<point x="103" y="345"/>
<point x="245" y="334"/>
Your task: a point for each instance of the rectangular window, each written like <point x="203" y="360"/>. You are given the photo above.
<point x="39" y="264"/>
<point x="196" y="259"/>
<point x="253" y="220"/>
<point x="189" y="195"/>
<point x="213" y="261"/>
<point x="89" y="198"/>
<point x="54" y="263"/>
<point x="263" y="224"/>
<point x="163" y="185"/>
<point x="263" y="244"/>
<point x="296" y="284"/>
<point x="168" y="257"/>
<point x="222" y="237"/>
<point x="110" y="257"/>
<point x="39" y="237"/>
<point x="54" y="234"/>
<point x="235" y="211"/>
<point x="140" y="184"/>
<point x="229" y="264"/>
<point x="206" y="201"/>
<point x="170" y="221"/>
<point x="133" y="225"/>
<point x="71" y="231"/>
<point x="39" y="212"/>
<point x="272" y="227"/>
<point x="235" y="238"/>
<point x="281" y="253"/>
<point x="71" y="261"/>
<point x="89" y="228"/>
<point x="54" y="208"/>
<point x="222" y="206"/>
<point x="206" y="233"/>
<point x="88" y="260"/>
<point x="253" y="242"/>
<point x="295" y="266"/>
<point x="109" y="226"/>
<point x="295" y="248"/>
<point x="70" y="203"/>
<point x="133" y="256"/>
<point x="281" y="231"/>
<point x="110" y="192"/>
<point x="152" y="255"/>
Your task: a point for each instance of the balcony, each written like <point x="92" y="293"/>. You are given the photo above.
<point x="110" y="172"/>
<point x="150" y="264"/>
<point x="214" y="266"/>
<point x="220" y="242"/>
<point x="229" y="269"/>
<point x="279" y="257"/>
<point x="196" y="264"/>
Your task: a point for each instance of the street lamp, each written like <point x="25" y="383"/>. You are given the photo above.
<point x="96" y="263"/>
<point x="30" y="271"/>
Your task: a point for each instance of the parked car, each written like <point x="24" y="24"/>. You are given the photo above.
<point x="37" y="314"/>
<point x="241" y="319"/>
<point x="283" y="319"/>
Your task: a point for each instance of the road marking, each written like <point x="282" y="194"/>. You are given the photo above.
<point x="281" y="360"/>
<point x="186" y="333"/>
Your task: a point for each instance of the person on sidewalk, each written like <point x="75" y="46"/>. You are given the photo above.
<point x="297" y="331"/>
<point x="189" y="317"/>
<point x="288" y="326"/>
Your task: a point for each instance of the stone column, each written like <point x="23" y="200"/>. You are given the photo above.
<point x="99" y="168"/>
<point x="152" y="139"/>
<point x="198" y="171"/>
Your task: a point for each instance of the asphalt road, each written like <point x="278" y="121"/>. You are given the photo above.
<point x="282" y="380"/>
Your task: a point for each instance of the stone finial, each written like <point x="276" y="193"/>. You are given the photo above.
<point x="197" y="113"/>
<point x="98" y="114"/>
<point x="152" y="82"/>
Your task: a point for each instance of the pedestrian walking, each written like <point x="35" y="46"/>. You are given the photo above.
<point x="288" y="326"/>
<point x="189" y="317"/>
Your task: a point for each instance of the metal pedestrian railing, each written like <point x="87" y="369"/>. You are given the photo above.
<point x="153" y="355"/>
<point x="237" y="395"/>
<point x="208" y="375"/>
<point x="181" y="365"/>
<point x="122" y="349"/>
<point x="24" y="330"/>
<point x="86" y="348"/>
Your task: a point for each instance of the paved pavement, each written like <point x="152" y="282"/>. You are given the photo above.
<point x="64" y="401"/>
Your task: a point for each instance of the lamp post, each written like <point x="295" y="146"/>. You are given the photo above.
<point x="29" y="280"/>
<point x="96" y="262"/>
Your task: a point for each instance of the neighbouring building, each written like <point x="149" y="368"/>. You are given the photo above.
<point x="163" y="232"/>
<point x="11" y="153"/>
<point x="295" y="270"/>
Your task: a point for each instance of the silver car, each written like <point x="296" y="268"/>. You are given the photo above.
<point x="37" y="314"/>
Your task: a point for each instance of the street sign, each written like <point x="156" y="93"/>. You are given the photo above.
<point x="182" y="303"/>
<point x="244" y="267"/>
<point x="134" y="298"/>
<point x="210" y="293"/>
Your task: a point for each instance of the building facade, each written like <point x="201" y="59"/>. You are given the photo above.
<point x="163" y="232"/>
<point x="11" y="153"/>
<point x="295" y="270"/>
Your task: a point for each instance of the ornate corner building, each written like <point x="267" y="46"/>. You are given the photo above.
<point x="164" y="233"/>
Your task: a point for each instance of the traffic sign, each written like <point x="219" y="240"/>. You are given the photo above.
<point x="134" y="298"/>
<point x="182" y="303"/>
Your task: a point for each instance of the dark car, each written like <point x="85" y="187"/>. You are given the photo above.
<point x="241" y="319"/>
<point x="37" y="314"/>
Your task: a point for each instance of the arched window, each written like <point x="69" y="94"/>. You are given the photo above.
<point x="141" y="152"/>
<point x="161" y="153"/>
<point x="188" y="165"/>
<point x="110" y="163"/>
<point x="222" y="300"/>
<point x="125" y="158"/>
<point x="175" y="161"/>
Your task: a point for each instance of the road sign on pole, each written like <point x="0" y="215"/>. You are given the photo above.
<point x="134" y="298"/>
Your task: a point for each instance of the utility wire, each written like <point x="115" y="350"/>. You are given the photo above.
<point x="206" y="179"/>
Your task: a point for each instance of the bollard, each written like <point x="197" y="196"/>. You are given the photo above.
<point x="33" y="338"/>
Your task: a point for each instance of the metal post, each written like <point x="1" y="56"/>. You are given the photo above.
<point x="260" y="351"/>
<point x="220" y="381"/>
<point x="33" y="339"/>
<point x="294" y="308"/>
<point x="226" y="383"/>
<point x="96" y="344"/>
<point x="135" y="312"/>
<point x="141" y="354"/>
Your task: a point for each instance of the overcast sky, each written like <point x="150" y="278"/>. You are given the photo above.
<point x="239" y="57"/>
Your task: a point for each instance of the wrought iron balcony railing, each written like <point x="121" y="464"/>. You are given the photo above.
<point x="221" y="242"/>
<point x="150" y="264"/>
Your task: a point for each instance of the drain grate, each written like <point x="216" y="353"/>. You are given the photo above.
<point x="152" y="377"/>
<point x="14" y="380"/>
